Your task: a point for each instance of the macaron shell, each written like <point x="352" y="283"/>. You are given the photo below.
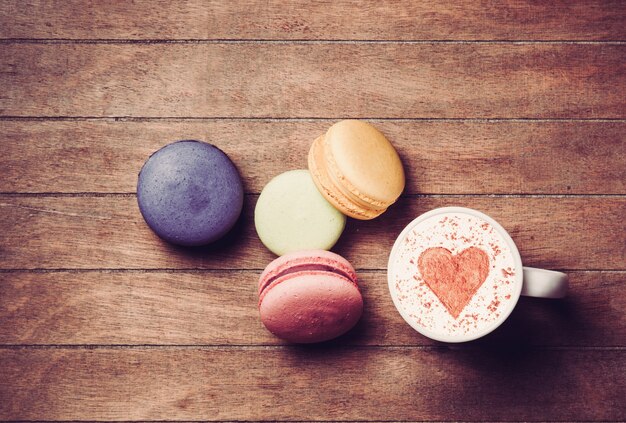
<point x="190" y="193"/>
<point x="330" y="191"/>
<point x="365" y="160"/>
<point x="291" y="214"/>
<point x="311" y="307"/>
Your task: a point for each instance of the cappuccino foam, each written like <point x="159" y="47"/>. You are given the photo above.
<point x="454" y="275"/>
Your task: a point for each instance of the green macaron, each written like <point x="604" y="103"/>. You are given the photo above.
<point x="292" y="215"/>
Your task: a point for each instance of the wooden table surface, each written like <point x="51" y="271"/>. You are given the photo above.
<point x="516" y="108"/>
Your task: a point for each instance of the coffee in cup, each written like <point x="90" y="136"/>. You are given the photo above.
<point x="455" y="275"/>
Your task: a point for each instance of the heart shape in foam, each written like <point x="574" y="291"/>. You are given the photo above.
<point x="454" y="279"/>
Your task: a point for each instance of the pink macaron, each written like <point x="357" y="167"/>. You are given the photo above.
<point x="309" y="296"/>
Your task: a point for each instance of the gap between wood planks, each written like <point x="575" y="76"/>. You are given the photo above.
<point x="294" y="119"/>
<point x="195" y="270"/>
<point x="255" y="194"/>
<point x="294" y="41"/>
<point x="332" y="346"/>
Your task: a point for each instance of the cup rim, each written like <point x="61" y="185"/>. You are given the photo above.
<point x="518" y="274"/>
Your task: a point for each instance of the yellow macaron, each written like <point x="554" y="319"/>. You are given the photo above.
<point x="356" y="169"/>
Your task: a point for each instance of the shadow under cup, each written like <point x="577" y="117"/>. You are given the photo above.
<point x="455" y="275"/>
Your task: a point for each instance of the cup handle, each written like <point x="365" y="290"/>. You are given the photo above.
<point x="544" y="283"/>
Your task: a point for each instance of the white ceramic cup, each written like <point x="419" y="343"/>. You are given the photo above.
<point x="487" y="308"/>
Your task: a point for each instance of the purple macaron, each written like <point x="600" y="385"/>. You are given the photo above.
<point x="190" y="193"/>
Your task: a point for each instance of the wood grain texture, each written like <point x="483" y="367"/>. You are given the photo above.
<point x="283" y="20"/>
<point x="89" y="89"/>
<point x="440" y="157"/>
<point x="323" y="383"/>
<point x="386" y="80"/>
<point x="109" y="232"/>
<point x="219" y="308"/>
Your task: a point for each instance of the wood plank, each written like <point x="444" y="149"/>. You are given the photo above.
<point x="108" y="232"/>
<point x="476" y="158"/>
<point x="326" y="383"/>
<point x="386" y="80"/>
<point x="350" y="20"/>
<point x="220" y="308"/>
